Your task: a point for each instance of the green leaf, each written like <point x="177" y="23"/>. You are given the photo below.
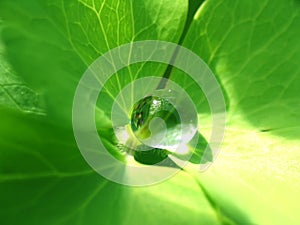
<point x="254" y="50"/>
<point x="252" y="46"/>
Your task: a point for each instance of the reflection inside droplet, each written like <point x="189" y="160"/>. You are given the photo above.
<point x="156" y="123"/>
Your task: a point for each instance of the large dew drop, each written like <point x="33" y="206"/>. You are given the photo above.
<point x="156" y="123"/>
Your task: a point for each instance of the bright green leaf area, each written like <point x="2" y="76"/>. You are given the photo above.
<point x="253" y="48"/>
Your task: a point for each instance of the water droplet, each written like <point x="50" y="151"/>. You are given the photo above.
<point x="156" y="123"/>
